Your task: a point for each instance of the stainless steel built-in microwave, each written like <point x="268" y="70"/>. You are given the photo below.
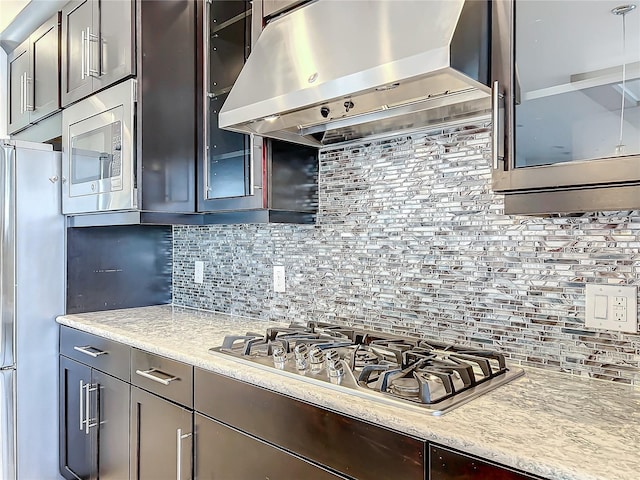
<point x="98" y="155"/>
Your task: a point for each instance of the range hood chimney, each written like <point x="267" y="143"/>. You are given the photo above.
<point x="334" y="71"/>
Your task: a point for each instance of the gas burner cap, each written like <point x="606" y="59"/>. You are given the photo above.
<point x="405" y="387"/>
<point x="364" y="357"/>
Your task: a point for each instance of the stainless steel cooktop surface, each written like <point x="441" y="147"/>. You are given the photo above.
<point x="430" y="376"/>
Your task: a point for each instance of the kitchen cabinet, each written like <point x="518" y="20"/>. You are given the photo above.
<point x="326" y="440"/>
<point x="244" y="177"/>
<point x="161" y="417"/>
<point x="446" y="464"/>
<point x="18" y="73"/>
<point x="34" y="77"/>
<point x="160" y="438"/>
<point x="98" y="46"/>
<point x="94" y="407"/>
<point x="217" y="443"/>
<point x="567" y="132"/>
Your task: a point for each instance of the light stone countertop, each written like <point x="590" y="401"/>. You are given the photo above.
<point x="555" y="425"/>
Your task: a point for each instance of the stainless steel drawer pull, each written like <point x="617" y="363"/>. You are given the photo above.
<point x="91" y="351"/>
<point x="155" y="378"/>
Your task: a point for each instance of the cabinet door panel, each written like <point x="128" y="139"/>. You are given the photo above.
<point x="44" y="91"/>
<point x="160" y="438"/>
<point x="18" y="70"/>
<point x="216" y="456"/>
<point x="229" y="159"/>
<point x="113" y="436"/>
<point x="76" y="24"/>
<point x="114" y="51"/>
<point x="448" y="465"/>
<point x="75" y="444"/>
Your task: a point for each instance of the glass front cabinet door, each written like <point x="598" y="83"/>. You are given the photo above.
<point x="228" y="168"/>
<point x="566" y="105"/>
<point x="275" y="181"/>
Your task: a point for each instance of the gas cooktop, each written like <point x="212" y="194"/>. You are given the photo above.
<point x="403" y="371"/>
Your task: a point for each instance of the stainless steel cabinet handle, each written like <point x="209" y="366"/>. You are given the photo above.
<point x="86" y="409"/>
<point x="22" y="94"/>
<point x="27" y="106"/>
<point x="88" y="424"/>
<point x="83" y="52"/>
<point x="148" y="374"/>
<point x="82" y="420"/>
<point x="179" y="437"/>
<point x="86" y="351"/>
<point x="91" y="72"/>
<point x="497" y="135"/>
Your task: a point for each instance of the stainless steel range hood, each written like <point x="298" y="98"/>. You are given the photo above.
<point x="334" y="71"/>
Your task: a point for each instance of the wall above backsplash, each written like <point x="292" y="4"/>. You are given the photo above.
<point x="410" y="239"/>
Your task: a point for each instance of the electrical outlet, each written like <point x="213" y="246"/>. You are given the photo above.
<point x="612" y="307"/>
<point x="279" y="284"/>
<point x="620" y="302"/>
<point x="198" y="274"/>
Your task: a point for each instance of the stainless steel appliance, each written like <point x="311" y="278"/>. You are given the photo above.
<point x="403" y="371"/>
<point x="32" y="292"/>
<point x="98" y="161"/>
<point x="323" y="80"/>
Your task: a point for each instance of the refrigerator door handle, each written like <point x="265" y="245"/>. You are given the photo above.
<point x="91" y="351"/>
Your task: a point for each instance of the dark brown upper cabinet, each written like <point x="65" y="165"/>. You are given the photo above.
<point x="245" y="178"/>
<point x="34" y="77"/>
<point x="566" y="106"/>
<point x="98" y="46"/>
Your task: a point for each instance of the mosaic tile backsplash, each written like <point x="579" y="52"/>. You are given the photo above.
<point x="410" y="239"/>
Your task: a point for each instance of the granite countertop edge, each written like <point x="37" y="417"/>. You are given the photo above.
<point x="563" y="437"/>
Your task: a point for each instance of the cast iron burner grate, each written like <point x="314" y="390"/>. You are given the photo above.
<point x="399" y="370"/>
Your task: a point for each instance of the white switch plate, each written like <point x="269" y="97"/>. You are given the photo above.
<point x="278" y="279"/>
<point x="198" y="275"/>
<point x="612" y="307"/>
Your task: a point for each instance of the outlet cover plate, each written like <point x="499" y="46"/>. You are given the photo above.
<point x="612" y="307"/>
<point x="198" y="274"/>
<point x="279" y="284"/>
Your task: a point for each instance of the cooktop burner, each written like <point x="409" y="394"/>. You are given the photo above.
<point x="404" y="371"/>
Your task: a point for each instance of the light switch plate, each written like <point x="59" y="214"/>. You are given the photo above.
<point x="612" y="307"/>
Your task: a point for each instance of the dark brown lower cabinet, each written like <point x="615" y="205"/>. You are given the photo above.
<point x="445" y="464"/>
<point x="330" y="441"/>
<point x="94" y="423"/>
<point x="161" y="438"/>
<point x="224" y="453"/>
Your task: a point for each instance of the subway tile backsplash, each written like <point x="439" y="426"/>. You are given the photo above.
<point x="410" y="239"/>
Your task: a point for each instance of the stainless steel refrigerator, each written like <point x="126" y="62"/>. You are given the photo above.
<point x="32" y="292"/>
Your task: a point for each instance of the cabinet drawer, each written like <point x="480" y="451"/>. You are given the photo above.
<point x="162" y="376"/>
<point x="349" y="446"/>
<point x="100" y="353"/>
